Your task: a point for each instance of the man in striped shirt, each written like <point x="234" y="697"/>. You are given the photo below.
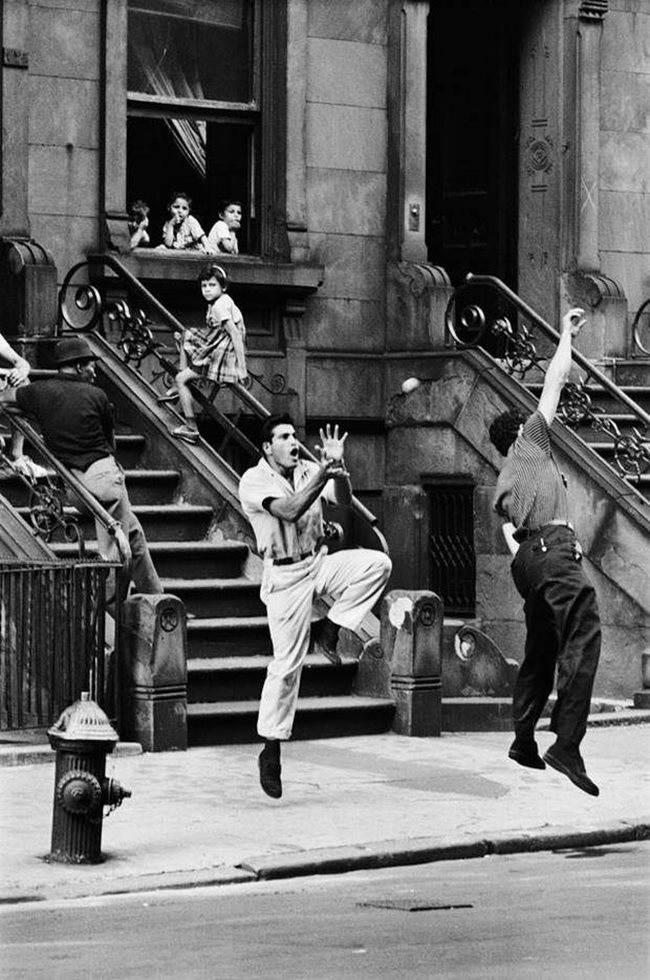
<point x="562" y="620"/>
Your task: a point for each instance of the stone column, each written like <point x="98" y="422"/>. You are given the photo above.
<point x="154" y="672"/>
<point x="411" y="638"/>
<point x="588" y="38"/>
<point x="407" y="129"/>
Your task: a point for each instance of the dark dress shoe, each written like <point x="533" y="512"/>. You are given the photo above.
<point x="571" y="765"/>
<point x="323" y="639"/>
<point x="270" y="772"/>
<point x="526" y="754"/>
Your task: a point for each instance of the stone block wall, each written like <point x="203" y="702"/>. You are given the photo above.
<point x="625" y="148"/>
<point x="346" y="173"/>
<point x="64" y="114"/>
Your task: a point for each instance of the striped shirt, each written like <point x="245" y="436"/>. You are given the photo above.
<point x="531" y="491"/>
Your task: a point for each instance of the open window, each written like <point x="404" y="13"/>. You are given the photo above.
<point x="205" y="113"/>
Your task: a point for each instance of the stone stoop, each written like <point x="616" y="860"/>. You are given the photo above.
<point x="228" y="644"/>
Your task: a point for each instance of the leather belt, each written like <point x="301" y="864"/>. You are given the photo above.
<point x="525" y="533"/>
<point x="293" y="561"/>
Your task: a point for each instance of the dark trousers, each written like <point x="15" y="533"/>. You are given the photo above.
<point x="562" y="628"/>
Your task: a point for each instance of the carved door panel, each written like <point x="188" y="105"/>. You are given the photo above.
<point x="472" y="137"/>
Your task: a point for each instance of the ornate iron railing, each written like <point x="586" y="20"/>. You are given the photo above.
<point x="513" y="324"/>
<point x="82" y="308"/>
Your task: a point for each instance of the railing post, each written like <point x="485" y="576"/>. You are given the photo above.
<point x="411" y="639"/>
<point x="154" y="672"/>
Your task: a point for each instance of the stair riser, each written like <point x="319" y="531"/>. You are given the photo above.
<point x="152" y="490"/>
<point x="246" y="685"/>
<point x="157" y="527"/>
<point x="212" y="603"/>
<point x="334" y="724"/>
<point x="189" y="564"/>
<point x="128" y="454"/>
<point x="609" y="404"/>
<point x="216" y="643"/>
<point x="147" y="491"/>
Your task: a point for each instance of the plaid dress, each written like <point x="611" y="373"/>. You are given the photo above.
<point x="210" y="350"/>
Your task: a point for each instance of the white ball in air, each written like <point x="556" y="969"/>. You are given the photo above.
<point x="410" y="385"/>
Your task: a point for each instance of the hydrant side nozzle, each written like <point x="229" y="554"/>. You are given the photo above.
<point x="113" y="792"/>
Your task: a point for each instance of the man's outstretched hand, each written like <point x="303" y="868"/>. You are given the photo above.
<point x="331" y="450"/>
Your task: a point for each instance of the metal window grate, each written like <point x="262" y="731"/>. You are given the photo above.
<point x="452" y="563"/>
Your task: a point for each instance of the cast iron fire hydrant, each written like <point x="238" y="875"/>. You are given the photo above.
<point x="82" y="737"/>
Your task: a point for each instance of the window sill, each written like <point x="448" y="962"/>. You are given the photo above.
<point x="243" y="270"/>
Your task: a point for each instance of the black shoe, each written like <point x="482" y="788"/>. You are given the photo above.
<point x="526" y="754"/>
<point x="570" y="764"/>
<point x="270" y="772"/>
<point x="324" y="636"/>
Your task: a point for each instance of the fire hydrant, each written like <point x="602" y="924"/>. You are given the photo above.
<point x="82" y="737"/>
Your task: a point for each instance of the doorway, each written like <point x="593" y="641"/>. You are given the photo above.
<point x="472" y="137"/>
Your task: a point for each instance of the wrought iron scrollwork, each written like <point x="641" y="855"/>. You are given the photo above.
<point x="46" y="505"/>
<point x="81" y="306"/>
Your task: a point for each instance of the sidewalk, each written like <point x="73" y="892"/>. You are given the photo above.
<point x="200" y="817"/>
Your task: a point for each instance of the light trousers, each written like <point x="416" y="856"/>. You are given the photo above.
<point x="354" y="579"/>
<point x="105" y="480"/>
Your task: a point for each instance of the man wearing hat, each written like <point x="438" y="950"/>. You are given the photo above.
<point x="76" y="421"/>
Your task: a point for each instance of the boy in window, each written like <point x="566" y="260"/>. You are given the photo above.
<point x="223" y="234"/>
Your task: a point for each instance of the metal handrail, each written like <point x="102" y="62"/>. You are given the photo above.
<point x="112" y="526"/>
<point x="144" y="294"/>
<point x="500" y="287"/>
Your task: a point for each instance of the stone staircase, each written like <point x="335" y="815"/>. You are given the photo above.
<point x="229" y="645"/>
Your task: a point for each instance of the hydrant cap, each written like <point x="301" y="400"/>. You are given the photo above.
<point x="83" y="721"/>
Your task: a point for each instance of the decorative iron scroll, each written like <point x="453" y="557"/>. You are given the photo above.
<point x="45" y="505"/>
<point x="470" y="326"/>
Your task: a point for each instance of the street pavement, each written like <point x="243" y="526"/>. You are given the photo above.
<point x="199" y="817"/>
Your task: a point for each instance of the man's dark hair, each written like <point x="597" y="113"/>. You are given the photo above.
<point x="504" y="429"/>
<point x="266" y="432"/>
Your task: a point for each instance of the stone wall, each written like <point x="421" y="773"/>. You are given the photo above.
<point x="625" y="148"/>
<point x="64" y="117"/>
<point x="346" y="173"/>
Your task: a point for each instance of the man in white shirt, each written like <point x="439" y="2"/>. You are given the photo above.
<point x="281" y="496"/>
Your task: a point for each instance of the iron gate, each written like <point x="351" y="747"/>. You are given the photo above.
<point x="52" y="640"/>
<point x="452" y="563"/>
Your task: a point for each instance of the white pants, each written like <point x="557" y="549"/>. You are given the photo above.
<point x="354" y="579"/>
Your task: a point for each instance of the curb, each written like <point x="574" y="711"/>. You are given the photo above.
<point x="341" y="860"/>
<point x="426" y="850"/>
<point x="25" y="755"/>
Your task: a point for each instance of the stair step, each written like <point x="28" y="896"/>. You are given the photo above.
<point x="163" y="522"/>
<point x="208" y="597"/>
<point x="199" y="559"/>
<point x="218" y="638"/>
<point x="240" y="678"/>
<point x="129" y="448"/>
<point x="151" y="486"/>
<point x="326" y="717"/>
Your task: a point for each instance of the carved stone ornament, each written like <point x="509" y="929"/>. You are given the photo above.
<point x="539" y="153"/>
<point x="593" y="9"/>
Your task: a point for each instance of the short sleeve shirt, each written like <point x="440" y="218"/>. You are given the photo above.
<point x="531" y="490"/>
<point x="75" y="417"/>
<point x="275" y="537"/>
